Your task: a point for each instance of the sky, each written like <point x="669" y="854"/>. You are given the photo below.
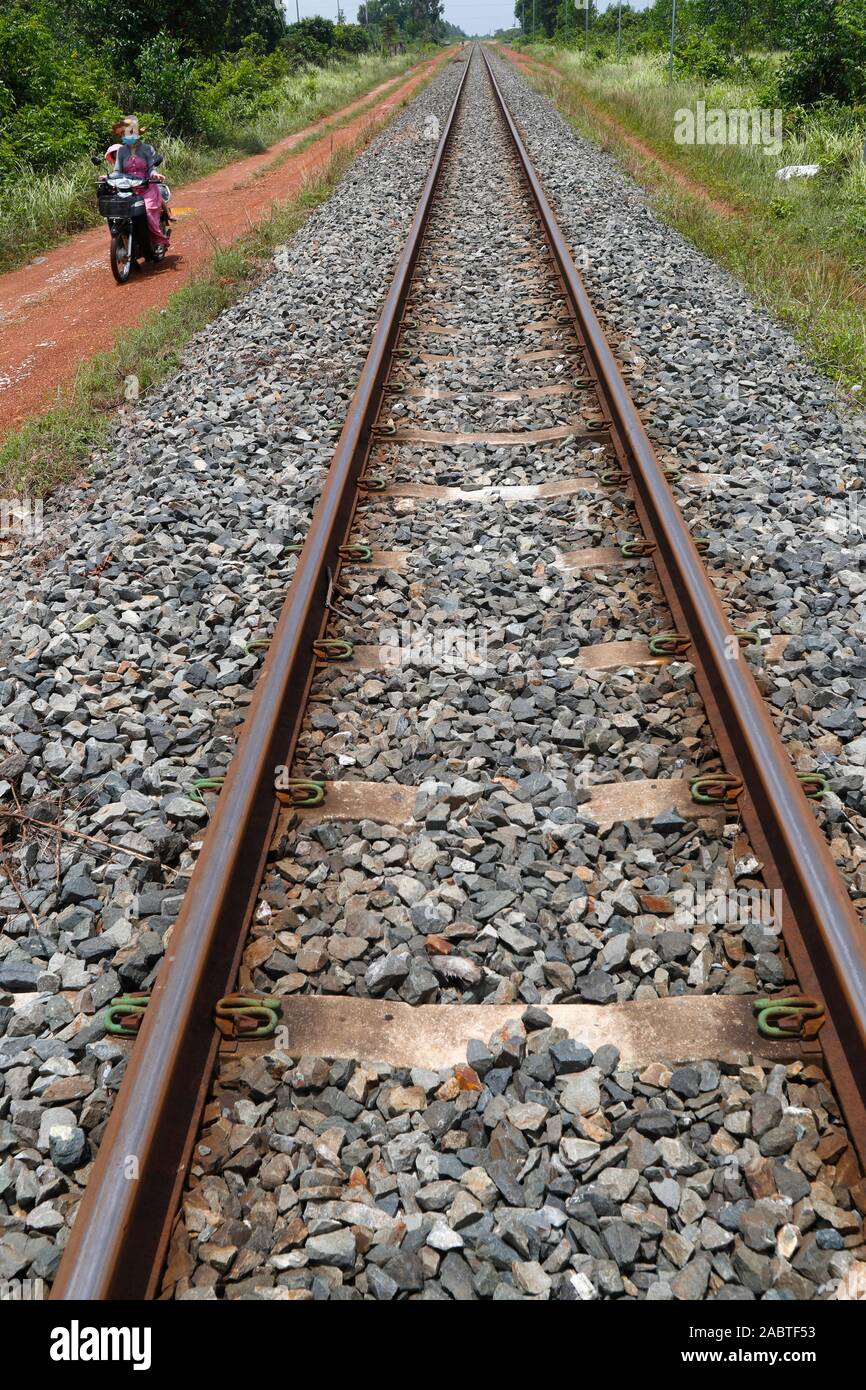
<point x="474" y="16"/>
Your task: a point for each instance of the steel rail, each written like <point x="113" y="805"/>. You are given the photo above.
<point x="122" y="1228"/>
<point x="123" y="1225"/>
<point x="823" y="934"/>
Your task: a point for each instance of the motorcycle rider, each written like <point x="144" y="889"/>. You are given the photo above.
<point x="136" y="160"/>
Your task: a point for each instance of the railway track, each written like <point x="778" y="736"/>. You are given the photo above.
<point x="505" y="746"/>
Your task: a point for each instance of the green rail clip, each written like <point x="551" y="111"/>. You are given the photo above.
<point x="359" y="551"/>
<point x="205" y="784"/>
<point x="123" y="1016"/>
<point x="669" y="644"/>
<point x="333" y="649"/>
<point x="715" y="788"/>
<point x="633" y="550"/>
<point x="302" y="791"/>
<point x="814" y="784"/>
<point x="788" y="1017"/>
<point x="247" y="1015"/>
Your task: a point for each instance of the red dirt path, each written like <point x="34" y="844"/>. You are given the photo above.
<point x="67" y="308"/>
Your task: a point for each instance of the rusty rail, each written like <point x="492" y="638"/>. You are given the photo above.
<point x="123" y="1224"/>
<point x="822" y="932"/>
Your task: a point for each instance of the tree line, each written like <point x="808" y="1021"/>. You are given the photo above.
<point x="199" y="68"/>
<point x="822" y="42"/>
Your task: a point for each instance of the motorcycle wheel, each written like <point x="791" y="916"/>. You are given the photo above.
<point x="121" y="257"/>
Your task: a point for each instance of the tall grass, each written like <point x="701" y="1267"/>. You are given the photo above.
<point x="37" y="210"/>
<point x="826" y="212"/>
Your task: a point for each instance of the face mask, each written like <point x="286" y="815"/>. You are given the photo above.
<point x="130" y="139"/>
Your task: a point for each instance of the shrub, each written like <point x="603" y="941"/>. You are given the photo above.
<point x="168" y="83"/>
<point x="351" y="38"/>
<point x="828" y="58"/>
<point x="311" y="41"/>
<point x="54" y="106"/>
<point x="697" y="55"/>
<point x="237" y="87"/>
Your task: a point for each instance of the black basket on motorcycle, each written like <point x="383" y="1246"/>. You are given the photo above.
<point x="114" y="205"/>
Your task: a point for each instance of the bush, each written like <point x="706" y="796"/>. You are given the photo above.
<point x="311" y="41"/>
<point x="54" y="105"/>
<point x="828" y="58"/>
<point x="699" y="56"/>
<point x="169" y="83"/>
<point x="238" y="86"/>
<point x="351" y="38"/>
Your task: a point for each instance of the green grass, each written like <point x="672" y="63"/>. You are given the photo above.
<point x="798" y="246"/>
<point x="38" y="210"/>
<point x="51" y="449"/>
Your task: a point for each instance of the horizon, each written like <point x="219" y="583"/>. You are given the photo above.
<point x="472" y="16"/>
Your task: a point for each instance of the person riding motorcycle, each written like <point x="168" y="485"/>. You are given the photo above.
<point x="136" y="159"/>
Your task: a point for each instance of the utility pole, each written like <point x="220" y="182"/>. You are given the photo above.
<point x="298" y="11"/>
<point x="673" y="36"/>
<point x="618" y="28"/>
<point x="586" y="27"/>
<point x="533" y="17"/>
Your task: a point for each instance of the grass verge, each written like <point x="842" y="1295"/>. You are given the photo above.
<point x="50" y="449"/>
<point x="793" y="247"/>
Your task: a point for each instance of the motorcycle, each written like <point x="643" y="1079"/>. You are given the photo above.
<point x="119" y="200"/>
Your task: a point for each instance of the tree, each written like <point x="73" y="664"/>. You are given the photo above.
<point x="52" y="104"/>
<point x="414" y="19"/>
<point x="828" y="54"/>
<point x="199" y="26"/>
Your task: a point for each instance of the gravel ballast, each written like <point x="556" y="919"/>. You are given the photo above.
<point x="125" y="669"/>
<point x="537" y="1170"/>
<point x="726" y="389"/>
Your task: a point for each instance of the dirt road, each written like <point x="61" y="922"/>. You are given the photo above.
<point x="66" y="307"/>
